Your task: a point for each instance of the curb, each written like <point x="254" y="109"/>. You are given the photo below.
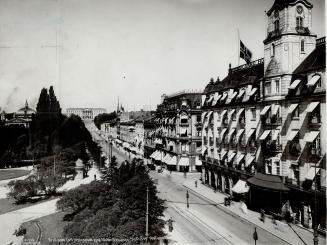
<point x="234" y="214"/>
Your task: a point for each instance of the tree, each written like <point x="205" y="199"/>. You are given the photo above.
<point x="102" y="209"/>
<point x="104" y="117"/>
<point x="22" y="190"/>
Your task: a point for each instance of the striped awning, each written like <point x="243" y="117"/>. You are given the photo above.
<point x="184" y="161"/>
<point x="172" y="161"/>
<point x="294" y="84"/>
<point x="264" y="135"/>
<point x="265" y="110"/>
<point x="291" y="108"/>
<point x="311" y="136"/>
<point x="313" y="81"/>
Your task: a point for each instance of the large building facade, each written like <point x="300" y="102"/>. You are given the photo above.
<point x="86" y="113"/>
<point x="265" y="123"/>
<point x="177" y="133"/>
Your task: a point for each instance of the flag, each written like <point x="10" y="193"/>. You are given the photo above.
<point x="245" y="53"/>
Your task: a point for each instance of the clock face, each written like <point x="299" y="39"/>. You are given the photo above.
<point x="299" y="9"/>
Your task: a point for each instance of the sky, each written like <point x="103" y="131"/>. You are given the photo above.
<point x="96" y="51"/>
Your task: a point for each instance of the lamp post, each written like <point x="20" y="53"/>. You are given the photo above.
<point x="255" y="236"/>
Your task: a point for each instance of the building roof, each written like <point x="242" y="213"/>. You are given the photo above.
<point x="25" y="110"/>
<point x="281" y="4"/>
<point x="316" y="60"/>
<point x="243" y="75"/>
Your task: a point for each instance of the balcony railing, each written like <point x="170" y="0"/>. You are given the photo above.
<point x="302" y="30"/>
<point x="272" y="121"/>
<point x="184" y="124"/>
<point x="313" y="120"/>
<point x="315" y="151"/>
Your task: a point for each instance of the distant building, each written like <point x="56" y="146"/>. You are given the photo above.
<point x="177" y="134"/>
<point x="85" y="113"/>
<point x="22" y="117"/>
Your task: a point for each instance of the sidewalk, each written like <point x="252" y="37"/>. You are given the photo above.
<point x="282" y="230"/>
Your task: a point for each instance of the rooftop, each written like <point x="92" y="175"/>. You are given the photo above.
<point x="238" y="76"/>
<point x="316" y="60"/>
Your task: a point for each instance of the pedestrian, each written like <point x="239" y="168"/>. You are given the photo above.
<point x="196" y="184"/>
<point x="262" y="215"/>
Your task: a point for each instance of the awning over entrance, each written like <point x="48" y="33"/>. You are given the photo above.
<point x="312" y="173"/>
<point x="312" y="106"/>
<point x="172" y="161"/>
<point x="265" y="135"/>
<point x="209" y="114"/>
<point x="292" y="135"/>
<point x="231" y="113"/>
<point x="154" y="154"/>
<point x="184" y="161"/>
<point x="311" y="136"/>
<point x="240" y="187"/>
<point x="224" y="96"/>
<point x="166" y="158"/>
<point x="159" y="156"/>
<point x="210" y="99"/>
<point x="216" y="98"/>
<point x="204" y="115"/>
<point x="295" y="84"/>
<point x="268" y="182"/>
<point x="313" y="81"/>
<point x="292" y="108"/>
<point x="265" y="110"/>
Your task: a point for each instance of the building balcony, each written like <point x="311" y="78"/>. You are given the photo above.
<point x="302" y="30"/>
<point x="272" y="121"/>
<point x="295" y="149"/>
<point x="272" y="148"/>
<point x="184" y="124"/>
<point x="315" y="151"/>
<point x="314" y="120"/>
<point x="198" y="124"/>
<point x="211" y="142"/>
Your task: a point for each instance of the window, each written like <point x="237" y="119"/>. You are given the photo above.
<point x="198" y="144"/>
<point x="253" y="113"/>
<point x="273" y="49"/>
<point x="234" y="116"/>
<point x="277" y="170"/>
<point x="296" y="113"/>
<point x="268" y="88"/>
<point x="219" y="116"/>
<point x="276" y="23"/>
<point x="277" y="86"/>
<point x="198" y="118"/>
<point x="268" y="168"/>
<point x="299" y="22"/>
<point x="302" y="46"/>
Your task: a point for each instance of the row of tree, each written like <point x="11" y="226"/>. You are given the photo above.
<point x="56" y="143"/>
<point x="114" y="207"/>
<point x="104" y="117"/>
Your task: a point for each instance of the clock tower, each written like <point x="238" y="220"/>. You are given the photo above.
<point x="289" y="40"/>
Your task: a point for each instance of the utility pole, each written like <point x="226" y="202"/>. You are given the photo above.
<point x="147" y="216"/>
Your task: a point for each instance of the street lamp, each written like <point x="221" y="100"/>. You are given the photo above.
<point x="255" y="235"/>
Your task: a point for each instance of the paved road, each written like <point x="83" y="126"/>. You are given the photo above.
<point x="203" y="222"/>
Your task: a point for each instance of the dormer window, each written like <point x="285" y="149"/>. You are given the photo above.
<point x="299" y="22"/>
<point x="272" y="49"/>
<point x="302" y="46"/>
<point x="276" y="24"/>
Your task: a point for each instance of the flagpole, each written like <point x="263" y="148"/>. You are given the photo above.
<point x="238" y="49"/>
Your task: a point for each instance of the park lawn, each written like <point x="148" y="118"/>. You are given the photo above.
<point x="12" y="173"/>
<point x="51" y="228"/>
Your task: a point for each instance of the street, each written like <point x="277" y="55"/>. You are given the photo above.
<point x="203" y="223"/>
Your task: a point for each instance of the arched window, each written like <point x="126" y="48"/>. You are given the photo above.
<point x="302" y="45"/>
<point x="276" y="23"/>
<point x="299" y="22"/>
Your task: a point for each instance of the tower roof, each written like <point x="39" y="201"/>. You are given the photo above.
<point x="281" y="4"/>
